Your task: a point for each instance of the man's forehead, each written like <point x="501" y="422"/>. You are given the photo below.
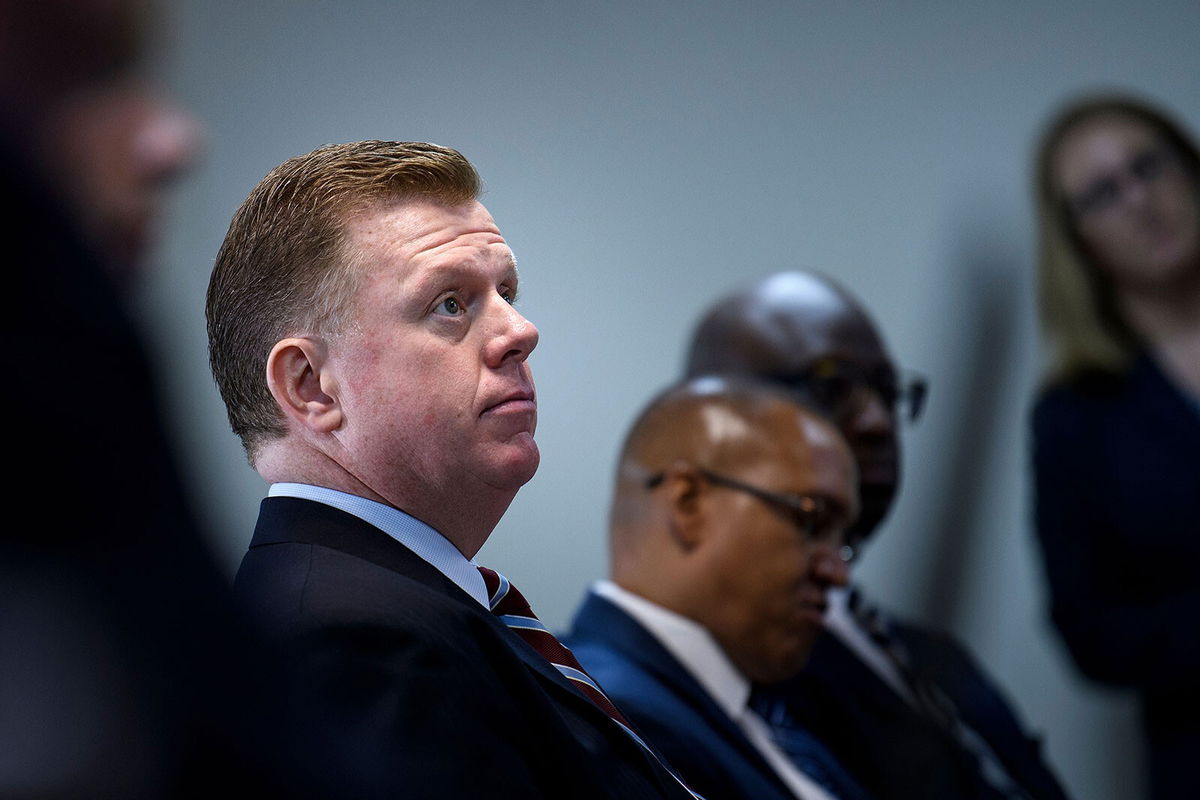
<point x="424" y="228"/>
<point x="799" y="335"/>
<point x="419" y="221"/>
<point x="809" y="455"/>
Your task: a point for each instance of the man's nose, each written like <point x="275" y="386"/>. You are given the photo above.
<point x="873" y="415"/>
<point x="829" y="566"/>
<point x="168" y="141"/>
<point x="511" y="337"/>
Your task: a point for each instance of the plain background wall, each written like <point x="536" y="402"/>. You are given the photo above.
<point x="643" y="158"/>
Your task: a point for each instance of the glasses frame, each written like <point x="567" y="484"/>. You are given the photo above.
<point x="904" y="399"/>
<point x="804" y="510"/>
<point x="1108" y="194"/>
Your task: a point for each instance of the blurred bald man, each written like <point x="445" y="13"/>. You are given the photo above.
<point x="906" y="709"/>
<point x="727" y="529"/>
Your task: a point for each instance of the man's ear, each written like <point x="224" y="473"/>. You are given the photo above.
<point x="303" y="385"/>
<point x="683" y="487"/>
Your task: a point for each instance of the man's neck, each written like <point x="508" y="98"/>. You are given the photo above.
<point x="464" y="515"/>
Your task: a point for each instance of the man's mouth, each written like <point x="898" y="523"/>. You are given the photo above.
<point x="520" y="400"/>
<point x="815" y="606"/>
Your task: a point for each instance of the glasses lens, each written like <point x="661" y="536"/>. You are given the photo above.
<point x="842" y="389"/>
<point x="912" y="398"/>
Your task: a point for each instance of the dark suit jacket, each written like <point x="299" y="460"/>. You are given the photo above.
<point x="436" y="696"/>
<point x="896" y="752"/>
<point x="669" y="707"/>
<point x="1117" y="467"/>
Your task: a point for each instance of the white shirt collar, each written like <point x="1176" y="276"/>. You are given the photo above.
<point x="690" y="643"/>
<point x="404" y="528"/>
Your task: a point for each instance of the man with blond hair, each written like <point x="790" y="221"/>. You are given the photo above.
<point x="363" y="335"/>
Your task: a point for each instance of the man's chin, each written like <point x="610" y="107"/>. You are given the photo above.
<point x="517" y="463"/>
<point x="875" y="500"/>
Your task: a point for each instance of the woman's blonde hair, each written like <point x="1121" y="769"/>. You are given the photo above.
<point x="1078" y="312"/>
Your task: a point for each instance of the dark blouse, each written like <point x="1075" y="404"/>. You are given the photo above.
<point x="1117" y="480"/>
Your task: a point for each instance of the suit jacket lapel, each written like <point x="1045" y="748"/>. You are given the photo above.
<point x="291" y="519"/>
<point x="600" y="620"/>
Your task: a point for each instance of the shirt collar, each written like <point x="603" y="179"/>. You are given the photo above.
<point x="404" y="528"/>
<point x="690" y="643"/>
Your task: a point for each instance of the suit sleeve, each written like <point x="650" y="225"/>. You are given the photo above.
<point x="1115" y="634"/>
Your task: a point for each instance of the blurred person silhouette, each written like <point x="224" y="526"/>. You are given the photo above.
<point x="1116" y="425"/>
<point x="123" y="672"/>
<point x="727" y="528"/>
<point x="906" y="709"/>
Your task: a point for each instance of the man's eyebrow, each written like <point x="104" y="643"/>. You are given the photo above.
<point x="457" y="272"/>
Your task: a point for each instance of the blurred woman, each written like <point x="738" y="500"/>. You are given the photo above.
<point x="1116" y="425"/>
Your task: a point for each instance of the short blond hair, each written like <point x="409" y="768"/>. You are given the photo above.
<point x="284" y="268"/>
<point x="1079" y="316"/>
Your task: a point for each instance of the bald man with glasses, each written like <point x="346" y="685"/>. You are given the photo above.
<point x="727" y="529"/>
<point x="905" y="709"/>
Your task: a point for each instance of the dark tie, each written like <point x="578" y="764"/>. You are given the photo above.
<point x="511" y="606"/>
<point x="805" y="750"/>
<point x="513" y="610"/>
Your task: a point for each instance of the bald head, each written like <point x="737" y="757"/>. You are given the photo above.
<point x="730" y="508"/>
<point x="807" y="333"/>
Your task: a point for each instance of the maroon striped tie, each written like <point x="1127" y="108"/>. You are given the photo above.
<point x="511" y="606"/>
<point x="513" y="609"/>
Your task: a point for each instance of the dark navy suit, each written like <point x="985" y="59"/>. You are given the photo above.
<point x="669" y="707"/>
<point x="436" y="696"/>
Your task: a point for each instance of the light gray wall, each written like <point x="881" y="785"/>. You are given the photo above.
<point x="642" y="158"/>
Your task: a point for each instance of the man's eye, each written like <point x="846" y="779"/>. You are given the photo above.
<point x="449" y="307"/>
<point x="509" y="295"/>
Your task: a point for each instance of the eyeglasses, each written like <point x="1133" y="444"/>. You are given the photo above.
<point x="818" y="518"/>
<point x="843" y="389"/>
<point x="1108" y="192"/>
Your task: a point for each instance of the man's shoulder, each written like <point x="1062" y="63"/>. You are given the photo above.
<point x="637" y="672"/>
<point x="666" y="704"/>
<point x="311" y="567"/>
<point x="608" y="639"/>
<point x="626" y="659"/>
<point x="324" y="583"/>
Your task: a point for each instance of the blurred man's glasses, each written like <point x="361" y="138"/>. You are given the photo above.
<point x="843" y="389"/>
<point x="816" y="517"/>
<point x="1111" y="191"/>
